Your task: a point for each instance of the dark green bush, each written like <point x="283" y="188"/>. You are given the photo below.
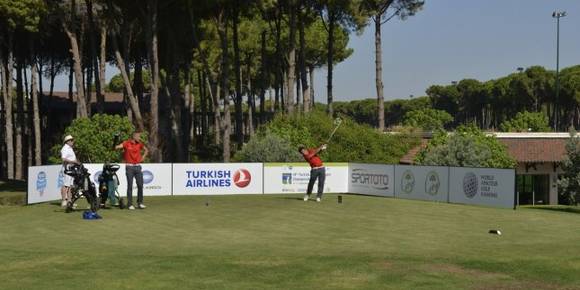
<point x="94" y="138"/>
<point x="351" y="143"/>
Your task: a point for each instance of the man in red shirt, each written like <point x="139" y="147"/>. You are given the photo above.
<point x="132" y="155"/>
<point x="317" y="170"/>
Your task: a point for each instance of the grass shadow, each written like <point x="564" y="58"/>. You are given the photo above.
<point x="12" y="185"/>
<point x="567" y="209"/>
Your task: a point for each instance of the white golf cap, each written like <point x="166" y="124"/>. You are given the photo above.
<point x="67" y="138"/>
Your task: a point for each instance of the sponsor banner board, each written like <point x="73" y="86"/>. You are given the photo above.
<point x="294" y="177"/>
<point x="44" y="183"/>
<point x="422" y="182"/>
<point x="371" y="179"/>
<point x="217" y="178"/>
<point x="482" y="186"/>
<point x="156" y="178"/>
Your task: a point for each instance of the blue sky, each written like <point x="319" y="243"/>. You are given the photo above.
<point x="451" y="40"/>
<point x="455" y="39"/>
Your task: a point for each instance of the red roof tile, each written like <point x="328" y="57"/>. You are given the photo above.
<point x="536" y="149"/>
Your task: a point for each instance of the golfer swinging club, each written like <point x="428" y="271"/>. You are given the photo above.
<point x="133" y="158"/>
<point x="317" y="170"/>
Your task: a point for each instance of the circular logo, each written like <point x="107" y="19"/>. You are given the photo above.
<point x="60" y="181"/>
<point x="408" y="181"/>
<point x="432" y="183"/>
<point x="242" y="178"/>
<point x="41" y="182"/>
<point x="97" y="176"/>
<point x="470" y="184"/>
<point x="148" y="177"/>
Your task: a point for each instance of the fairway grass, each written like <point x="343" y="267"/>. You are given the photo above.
<point x="281" y="242"/>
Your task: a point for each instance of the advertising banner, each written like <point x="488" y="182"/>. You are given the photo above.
<point x="44" y="183"/>
<point x="371" y="179"/>
<point x="217" y="178"/>
<point x="422" y="182"/>
<point x="482" y="186"/>
<point x="156" y="178"/>
<point x="294" y="177"/>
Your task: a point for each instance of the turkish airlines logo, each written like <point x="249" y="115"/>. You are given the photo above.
<point x="242" y="178"/>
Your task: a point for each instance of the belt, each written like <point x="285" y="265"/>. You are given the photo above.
<point x="133" y="164"/>
<point x="319" y="167"/>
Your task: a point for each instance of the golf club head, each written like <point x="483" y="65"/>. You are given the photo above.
<point x="337" y="121"/>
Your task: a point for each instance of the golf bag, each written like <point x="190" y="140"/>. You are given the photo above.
<point x="108" y="184"/>
<point x="82" y="186"/>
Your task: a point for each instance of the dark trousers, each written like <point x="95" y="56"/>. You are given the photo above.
<point x="320" y="174"/>
<point x="134" y="172"/>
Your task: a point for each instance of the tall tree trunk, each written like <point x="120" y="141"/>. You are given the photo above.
<point x="238" y="100"/>
<point x="133" y="102"/>
<point x="7" y="98"/>
<point x="303" y="75"/>
<point x="78" y="72"/>
<point x="291" y="58"/>
<point x="154" y="64"/>
<point x="330" y="62"/>
<point x="203" y="104"/>
<point x="101" y="83"/>
<point x="272" y="102"/>
<point x="214" y="91"/>
<point x="177" y="104"/>
<point x="311" y="74"/>
<point x="251" y="105"/>
<point x="223" y="35"/>
<point x="263" y="78"/>
<point x="379" y="73"/>
<point x="36" y="112"/>
<point x="19" y="121"/>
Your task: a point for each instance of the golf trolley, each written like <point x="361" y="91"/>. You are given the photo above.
<point x="108" y="184"/>
<point x="82" y="186"/>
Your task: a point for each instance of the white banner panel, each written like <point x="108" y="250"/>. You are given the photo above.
<point x="44" y="183"/>
<point x="156" y="178"/>
<point x="371" y="179"/>
<point x="422" y="182"/>
<point x="482" y="186"/>
<point x="294" y="177"/>
<point x="217" y="178"/>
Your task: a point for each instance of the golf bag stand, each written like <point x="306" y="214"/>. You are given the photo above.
<point x="108" y="184"/>
<point x="82" y="186"/>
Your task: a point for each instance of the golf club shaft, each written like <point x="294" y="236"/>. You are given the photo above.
<point x="332" y="134"/>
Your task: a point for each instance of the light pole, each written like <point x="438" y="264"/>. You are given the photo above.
<point x="557" y="15"/>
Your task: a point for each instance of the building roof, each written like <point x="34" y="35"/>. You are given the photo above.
<point x="523" y="147"/>
<point x="536" y="149"/>
<point x="109" y="96"/>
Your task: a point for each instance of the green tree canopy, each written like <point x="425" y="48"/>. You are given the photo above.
<point x="427" y="119"/>
<point x="527" y="122"/>
<point x="468" y="146"/>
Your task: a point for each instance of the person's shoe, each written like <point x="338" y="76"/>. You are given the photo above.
<point x="306" y="197"/>
<point x="131" y="207"/>
<point x="64" y="203"/>
<point x="318" y="199"/>
<point x="142" y="206"/>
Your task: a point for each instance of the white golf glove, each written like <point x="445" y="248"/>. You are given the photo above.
<point x="323" y="147"/>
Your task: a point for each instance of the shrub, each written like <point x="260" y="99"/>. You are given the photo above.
<point x="527" y="122"/>
<point x="427" y="119"/>
<point x="268" y="147"/>
<point x="469" y="147"/>
<point x="352" y="142"/>
<point x="94" y="138"/>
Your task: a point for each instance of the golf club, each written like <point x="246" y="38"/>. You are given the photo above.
<point x="337" y="123"/>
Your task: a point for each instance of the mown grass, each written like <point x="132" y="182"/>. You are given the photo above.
<point x="12" y="192"/>
<point x="281" y="242"/>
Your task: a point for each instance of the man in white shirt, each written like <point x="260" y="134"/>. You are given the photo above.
<point x="68" y="156"/>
